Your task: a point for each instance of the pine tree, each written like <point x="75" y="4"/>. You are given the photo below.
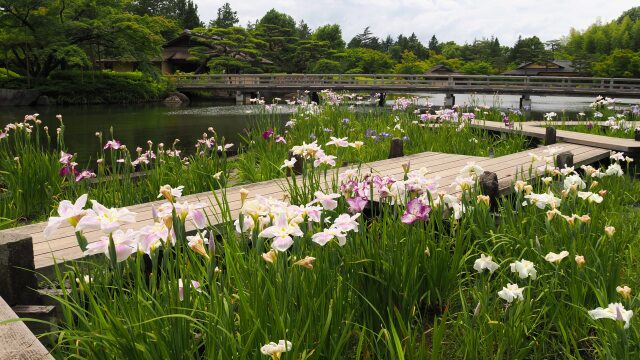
<point x="226" y="17"/>
<point x="186" y="14"/>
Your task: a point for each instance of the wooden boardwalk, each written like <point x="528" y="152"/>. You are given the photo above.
<point x="538" y="130"/>
<point x="447" y="166"/>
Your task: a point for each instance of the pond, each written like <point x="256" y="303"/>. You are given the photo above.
<point x="133" y="125"/>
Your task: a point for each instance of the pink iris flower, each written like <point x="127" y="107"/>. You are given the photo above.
<point x="416" y="210"/>
<point x="112" y="144"/>
<point x="85" y="174"/>
<point x="356" y="204"/>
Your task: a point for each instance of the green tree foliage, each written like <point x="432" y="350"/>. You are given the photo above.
<point x="602" y="39"/>
<point x="325" y="66"/>
<point x="365" y="61"/>
<point x="434" y="44"/>
<point x="332" y="34"/>
<point x="278" y="31"/>
<point x="184" y="12"/>
<point x="226" y="17"/>
<point x="308" y="52"/>
<point x="303" y="31"/>
<point x="621" y="63"/>
<point x="84" y="87"/>
<point x="228" y="50"/>
<point x="477" y="68"/>
<point x="42" y="36"/>
<point x="526" y="50"/>
<point x="410" y="64"/>
<point x="412" y="44"/>
<point x="633" y="14"/>
<point x="365" y="40"/>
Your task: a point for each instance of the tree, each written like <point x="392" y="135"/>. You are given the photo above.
<point x="278" y="31"/>
<point x="633" y="14"/>
<point x="621" y="63"/>
<point x="363" y="60"/>
<point x="365" y="40"/>
<point x="226" y="17"/>
<point x="387" y="43"/>
<point x="76" y="33"/>
<point x="434" y="45"/>
<point x="303" y="32"/>
<point x="228" y="50"/>
<point x="529" y="49"/>
<point x="410" y="64"/>
<point x="477" y="68"/>
<point x="186" y="14"/>
<point x="151" y="7"/>
<point x="332" y="34"/>
<point x="307" y="53"/>
<point x="326" y="66"/>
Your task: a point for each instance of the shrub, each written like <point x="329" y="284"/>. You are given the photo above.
<point x="85" y="87"/>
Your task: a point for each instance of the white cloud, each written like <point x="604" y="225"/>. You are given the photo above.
<point x="458" y="20"/>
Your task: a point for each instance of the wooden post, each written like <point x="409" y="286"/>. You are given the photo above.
<point x="314" y="97"/>
<point x="396" y="149"/>
<point x="17" y="278"/>
<point x="489" y="186"/>
<point x="449" y="100"/>
<point x="636" y="135"/>
<point x="550" y="136"/>
<point x="297" y="167"/>
<point x="564" y="159"/>
<point x="382" y="99"/>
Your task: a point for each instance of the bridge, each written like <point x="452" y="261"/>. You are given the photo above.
<point x="526" y="86"/>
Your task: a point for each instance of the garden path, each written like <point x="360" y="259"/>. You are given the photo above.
<point x="446" y="166"/>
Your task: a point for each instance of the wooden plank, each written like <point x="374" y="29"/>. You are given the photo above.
<point x="67" y="230"/>
<point x="506" y="167"/>
<point x="446" y="166"/>
<point x="270" y="188"/>
<point x="605" y="142"/>
<point x="18" y="342"/>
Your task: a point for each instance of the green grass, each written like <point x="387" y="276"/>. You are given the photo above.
<point x="596" y="128"/>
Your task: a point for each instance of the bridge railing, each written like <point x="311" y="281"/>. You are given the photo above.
<point x="416" y="81"/>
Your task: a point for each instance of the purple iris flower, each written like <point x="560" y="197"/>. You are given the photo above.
<point x="416" y="210"/>
<point x="356" y="204"/>
<point x="267" y="134"/>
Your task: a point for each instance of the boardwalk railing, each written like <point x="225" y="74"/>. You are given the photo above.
<point x="525" y="85"/>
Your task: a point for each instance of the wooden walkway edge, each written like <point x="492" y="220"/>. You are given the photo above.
<point x="17" y="342"/>
<point x="446" y="166"/>
<point x="537" y="130"/>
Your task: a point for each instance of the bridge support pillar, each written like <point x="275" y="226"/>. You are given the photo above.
<point x="449" y="100"/>
<point x="525" y="103"/>
<point x="314" y="97"/>
<point x="239" y="98"/>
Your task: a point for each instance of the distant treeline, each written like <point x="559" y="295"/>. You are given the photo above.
<point x="40" y="38"/>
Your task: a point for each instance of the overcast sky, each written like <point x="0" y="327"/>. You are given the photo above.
<point x="458" y="20"/>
